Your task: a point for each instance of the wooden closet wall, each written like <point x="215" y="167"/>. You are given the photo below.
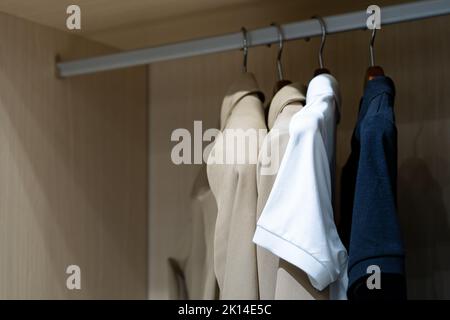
<point x="416" y="55"/>
<point x="73" y="170"/>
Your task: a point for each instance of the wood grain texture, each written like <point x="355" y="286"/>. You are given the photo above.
<point x="72" y="171"/>
<point x="106" y="14"/>
<point x="414" y="54"/>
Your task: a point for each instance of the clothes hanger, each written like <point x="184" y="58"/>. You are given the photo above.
<point x="321" y="68"/>
<point x="281" y="81"/>
<point x="244" y="64"/>
<point x="373" y="71"/>
<point x="244" y="48"/>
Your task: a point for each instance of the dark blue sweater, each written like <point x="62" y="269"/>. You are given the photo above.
<point x="369" y="225"/>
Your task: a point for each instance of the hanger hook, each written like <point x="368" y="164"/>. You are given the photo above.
<point x="324" y="36"/>
<point x="244" y="47"/>
<point x="371" y="49"/>
<point x="280" y="50"/>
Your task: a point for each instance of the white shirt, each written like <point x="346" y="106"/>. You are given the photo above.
<point x="297" y="223"/>
<point x="277" y="278"/>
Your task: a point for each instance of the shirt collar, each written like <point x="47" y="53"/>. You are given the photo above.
<point x="324" y="84"/>
<point x="379" y="85"/>
<point x="373" y="88"/>
<point x="244" y="85"/>
<point x="290" y="93"/>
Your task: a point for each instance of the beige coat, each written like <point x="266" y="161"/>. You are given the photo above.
<point x="192" y="272"/>
<point x="277" y="278"/>
<point x="234" y="187"/>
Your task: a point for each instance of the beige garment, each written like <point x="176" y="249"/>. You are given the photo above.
<point x="294" y="284"/>
<point x="234" y="187"/>
<point x="192" y="274"/>
<point x="277" y="278"/>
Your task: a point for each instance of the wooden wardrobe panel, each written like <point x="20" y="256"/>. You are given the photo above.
<point x="414" y="54"/>
<point x="73" y="159"/>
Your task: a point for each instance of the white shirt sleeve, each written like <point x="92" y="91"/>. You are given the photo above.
<point x="297" y="223"/>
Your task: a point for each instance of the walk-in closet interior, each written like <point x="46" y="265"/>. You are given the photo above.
<point x="87" y="120"/>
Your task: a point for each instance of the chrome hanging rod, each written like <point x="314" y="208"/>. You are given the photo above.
<point x="264" y="36"/>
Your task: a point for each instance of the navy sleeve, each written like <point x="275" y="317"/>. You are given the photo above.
<point x="375" y="233"/>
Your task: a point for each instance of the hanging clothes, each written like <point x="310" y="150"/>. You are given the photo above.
<point x="234" y="187"/>
<point x="297" y="223"/>
<point x="285" y="103"/>
<point x="370" y="228"/>
<point x="279" y="279"/>
<point x="192" y="272"/>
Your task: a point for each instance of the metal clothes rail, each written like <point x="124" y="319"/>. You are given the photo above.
<point x="264" y="36"/>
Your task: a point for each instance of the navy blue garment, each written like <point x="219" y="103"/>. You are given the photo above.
<point x="369" y="225"/>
